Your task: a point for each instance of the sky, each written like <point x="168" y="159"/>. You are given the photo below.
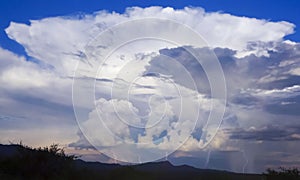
<point x="210" y="84"/>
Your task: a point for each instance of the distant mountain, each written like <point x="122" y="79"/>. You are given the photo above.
<point x="19" y="162"/>
<point x="8" y="150"/>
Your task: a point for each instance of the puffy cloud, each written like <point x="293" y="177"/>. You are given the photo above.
<point x="170" y="113"/>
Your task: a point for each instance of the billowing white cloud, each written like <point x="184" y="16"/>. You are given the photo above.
<point x="60" y="41"/>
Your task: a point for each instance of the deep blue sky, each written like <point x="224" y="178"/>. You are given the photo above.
<point x="24" y="10"/>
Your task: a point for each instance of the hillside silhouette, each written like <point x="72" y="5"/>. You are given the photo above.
<point x="21" y="162"/>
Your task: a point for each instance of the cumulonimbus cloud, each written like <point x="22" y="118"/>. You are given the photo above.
<point x="261" y="69"/>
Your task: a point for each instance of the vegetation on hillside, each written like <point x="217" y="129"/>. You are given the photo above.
<point x="23" y="162"/>
<point x="37" y="163"/>
<point x="283" y="173"/>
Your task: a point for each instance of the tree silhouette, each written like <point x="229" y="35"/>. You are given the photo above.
<point x="38" y="163"/>
<point x="283" y="173"/>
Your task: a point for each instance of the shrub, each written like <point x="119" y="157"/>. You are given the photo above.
<point x="283" y="173"/>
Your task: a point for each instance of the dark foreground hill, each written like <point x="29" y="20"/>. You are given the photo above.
<point x="20" y="162"/>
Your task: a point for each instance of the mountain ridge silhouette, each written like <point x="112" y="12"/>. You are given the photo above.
<point x="22" y="162"/>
